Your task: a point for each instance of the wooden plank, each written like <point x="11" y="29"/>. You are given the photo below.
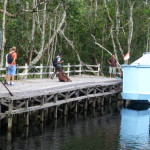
<point x="21" y="95"/>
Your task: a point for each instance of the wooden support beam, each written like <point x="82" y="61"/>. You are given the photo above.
<point x="55" y="108"/>
<point x="42" y="115"/>
<point x="85" y="104"/>
<point x="98" y="101"/>
<point x="65" y="109"/>
<point x="42" y="111"/>
<point x="27" y="114"/>
<point x="55" y="112"/>
<point x="110" y="99"/>
<point x="10" y="108"/>
<point x="76" y="107"/>
<point x="93" y="104"/>
<point x="102" y="101"/>
<point x="65" y="120"/>
<point x="85" y="114"/>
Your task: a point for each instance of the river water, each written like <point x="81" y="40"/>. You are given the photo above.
<point x="109" y="128"/>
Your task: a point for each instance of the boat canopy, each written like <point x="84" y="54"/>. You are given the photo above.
<point x="144" y="60"/>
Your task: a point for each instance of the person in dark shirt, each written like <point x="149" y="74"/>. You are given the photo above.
<point x="58" y="65"/>
<point x="112" y="66"/>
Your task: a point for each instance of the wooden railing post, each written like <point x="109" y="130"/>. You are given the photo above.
<point x="68" y="69"/>
<point x="98" y="70"/>
<point x="80" y="69"/>
<point x="26" y="70"/>
<point x="41" y="71"/>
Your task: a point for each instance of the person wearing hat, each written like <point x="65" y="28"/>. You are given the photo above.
<point x="57" y="63"/>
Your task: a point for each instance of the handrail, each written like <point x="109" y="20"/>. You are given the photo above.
<point x="39" y="71"/>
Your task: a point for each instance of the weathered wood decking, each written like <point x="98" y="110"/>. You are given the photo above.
<point x="40" y="94"/>
<point x="37" y="87"/>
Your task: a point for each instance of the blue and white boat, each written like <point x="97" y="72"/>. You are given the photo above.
<point x="136" y="79"/>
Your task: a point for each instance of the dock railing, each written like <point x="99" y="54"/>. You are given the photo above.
<point x="42" y="71"/>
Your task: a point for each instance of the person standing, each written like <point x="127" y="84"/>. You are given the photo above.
<point x="11" y="59"/>
<point x="112" y="66"/>
<point x="57" y="63"/>
<point x="6" y="65"/>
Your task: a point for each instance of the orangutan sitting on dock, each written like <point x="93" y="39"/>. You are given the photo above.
<point x="63" y="77"/>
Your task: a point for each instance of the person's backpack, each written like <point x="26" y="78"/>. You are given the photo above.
<point x="54" y="62"/>
<point x="9" y="58"/>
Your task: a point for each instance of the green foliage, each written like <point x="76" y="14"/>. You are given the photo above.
<point x="83" y="20"/>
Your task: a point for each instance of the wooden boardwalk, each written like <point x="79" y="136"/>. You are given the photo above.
<point x="39" y="94"/>
<point x="37" y="87"/>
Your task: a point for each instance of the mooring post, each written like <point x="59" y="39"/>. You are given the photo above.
<point x="10" y="108"/>
<point x="27" y="114"/>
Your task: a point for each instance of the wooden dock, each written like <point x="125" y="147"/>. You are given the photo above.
<point x="40" y="94"/>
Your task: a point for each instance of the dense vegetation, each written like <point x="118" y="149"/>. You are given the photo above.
<point x="85" y="31"/>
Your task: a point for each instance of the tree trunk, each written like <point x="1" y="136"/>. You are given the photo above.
<point x="131" y="4"/>
<point x="3" y="33"/>
<point x="43" y="49"/>
<point x="32" y="33"/>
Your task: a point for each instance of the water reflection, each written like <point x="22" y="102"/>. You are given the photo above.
<point x="90" y="130"/>
<point x="134" y="133"/>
